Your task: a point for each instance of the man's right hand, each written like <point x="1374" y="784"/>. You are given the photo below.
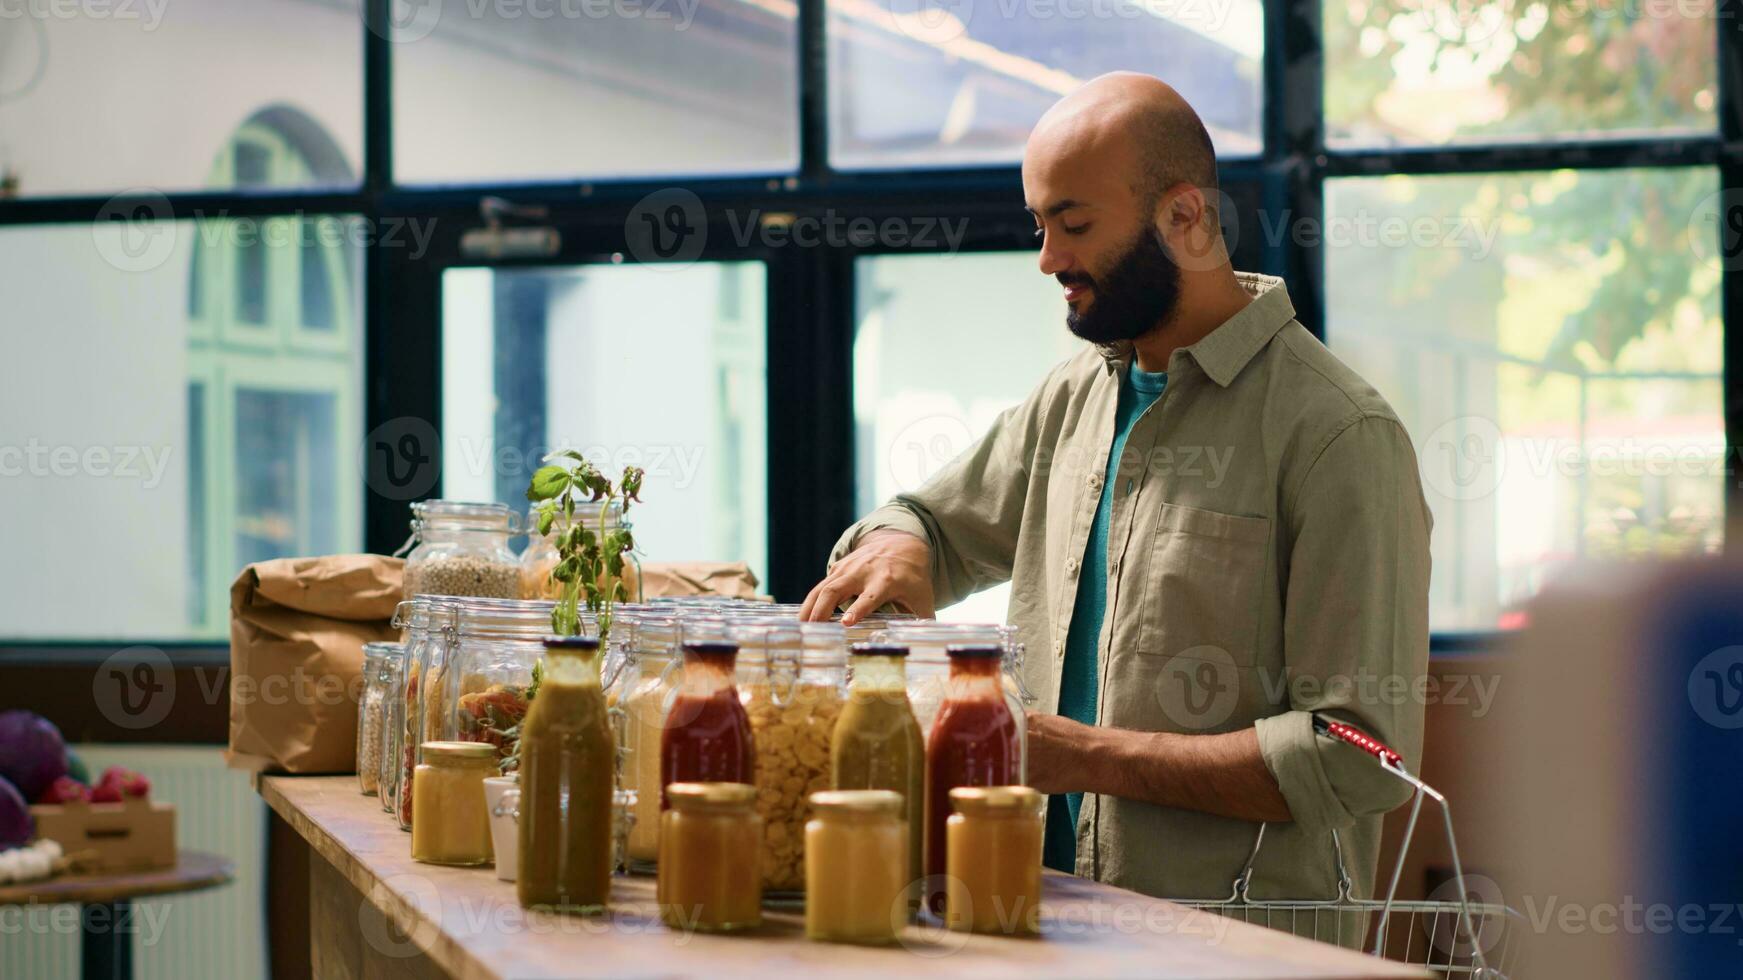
<point x="888" y="567"/>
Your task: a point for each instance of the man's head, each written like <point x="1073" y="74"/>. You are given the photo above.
<point x="1121" y="178"/>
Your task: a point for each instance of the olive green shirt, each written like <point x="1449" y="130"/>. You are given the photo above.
<point x="1267" y="560"/>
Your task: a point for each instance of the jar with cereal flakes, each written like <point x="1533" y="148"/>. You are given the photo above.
<point x="792" y="678"/>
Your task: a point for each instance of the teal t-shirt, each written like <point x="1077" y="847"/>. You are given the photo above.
<point x="1078" y="680"/>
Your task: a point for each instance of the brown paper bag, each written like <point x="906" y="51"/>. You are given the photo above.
<point x="297" y="629"/>
<point x="721" y="578"/>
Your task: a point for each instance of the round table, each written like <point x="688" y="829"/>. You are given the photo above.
<point x="106" y="916"/>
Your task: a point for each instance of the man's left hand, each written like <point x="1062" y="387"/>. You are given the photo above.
<point x="1060" y="753"/>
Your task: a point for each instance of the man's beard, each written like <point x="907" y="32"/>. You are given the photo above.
<point x="1141" y="291"/>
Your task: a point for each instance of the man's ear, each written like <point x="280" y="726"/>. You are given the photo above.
<point x="1189" y="223"/>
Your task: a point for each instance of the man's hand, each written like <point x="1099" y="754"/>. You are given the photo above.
<point x="889" y="566"/>
<point x="1060" y="753"/>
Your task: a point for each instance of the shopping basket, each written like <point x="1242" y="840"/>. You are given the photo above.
<point x="1463" y="936"/>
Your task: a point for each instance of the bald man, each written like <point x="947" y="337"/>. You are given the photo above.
<point x="1213" y="529"/>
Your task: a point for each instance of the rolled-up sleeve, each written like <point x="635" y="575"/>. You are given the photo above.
<point x="1355" y="624"/>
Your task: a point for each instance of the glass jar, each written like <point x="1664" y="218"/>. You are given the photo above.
<point x="540" y="555"/>
<point x="480" y="691"/>
<point x="650" y="648"/>
<point x="387" y="753"/>
<point x="372" y="712"/>
<point x="791" y="680"/>
<point x="706" y="737"/>
<point x="929" y="668"/>
<point x="856" y="867"/>
<point x="974" y="742"/>
<point x="567" y="779"/>
<point x="454" y="826"/>
<point x="710" y="879"/>
<point x="877" y="742"/>
<point x="462" y="549"/>
<point x="428" y="622"/>
<point x="993" y="881"/>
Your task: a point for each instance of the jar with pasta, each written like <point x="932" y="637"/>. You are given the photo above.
<point x="484" y="684"/>
<point x="461" y="549"/>
<point x="791" y="679"/>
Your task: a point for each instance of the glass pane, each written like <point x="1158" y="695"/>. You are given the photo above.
<point x="585" y="89"/>
<point x="943" y="345"/>
<point x="539" y="360"/>
<point x="1553" y="342"/>
<point x="940" y="83"/>
<point x="184" y="449"/>
<point x="1448" y="71"/>
<point x="148" y="95"/>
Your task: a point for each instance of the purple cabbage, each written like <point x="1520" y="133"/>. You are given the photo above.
<point x="32" y="754"/>
<point x="15" y="823"/>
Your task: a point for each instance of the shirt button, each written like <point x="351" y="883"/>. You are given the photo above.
<point x="1070" y="566"/>
<point x="1059" y="648"/>
<point x="1095" y="481"/>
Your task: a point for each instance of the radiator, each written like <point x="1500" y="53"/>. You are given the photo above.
<point x="215" y="933"/>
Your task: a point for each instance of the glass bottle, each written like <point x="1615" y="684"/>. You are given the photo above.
<point x="462" y="549"/>
<point x="652" y="643"/>
<point x="710" y="849"/>
<point x="567" y="775"/>
<point x="974" y="742"/>
<point x="372" y="712"/>
<point x="541" y="556"/>
<point x="707" y="736"/>
<point x="929" y="665"/>
<point x="454" y="827"/>
<point x="429" y="631"/>
<point x="856" y="867"/>
<point x="877" y="742"/>
<point x="387" y="751"/>
<point x="993" y="881"/>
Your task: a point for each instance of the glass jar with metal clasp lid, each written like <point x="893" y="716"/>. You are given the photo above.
<point x="462" y="549"/>
<point x="644" y="641"/>
<point x="379" y="660"/>
<point x="791" y="679"/>
<point x="540" y="555"/>
<point x="929" y="667"/>
<point x="422" y="621"/>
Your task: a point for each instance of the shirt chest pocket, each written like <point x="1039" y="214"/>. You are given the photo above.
<point x="1204" y="583"/>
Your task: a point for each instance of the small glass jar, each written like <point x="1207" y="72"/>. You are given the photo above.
<point x="710" y="879"/>
<point x="372" y="712"/>
<point x="540" y="555"/>
<point x="387" y="751"/>
<point x="993" y="875"/>
<point x="791" y="678"/>
<point x="462" y="549"/>
<point x="454" y="824"/>
<point x="857" y="874"/>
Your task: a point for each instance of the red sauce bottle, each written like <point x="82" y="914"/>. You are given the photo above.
<point x="974" y="742"/>
<point x="707" y="736"/>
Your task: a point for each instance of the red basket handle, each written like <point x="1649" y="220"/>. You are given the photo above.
<point x="1358" y="738"/>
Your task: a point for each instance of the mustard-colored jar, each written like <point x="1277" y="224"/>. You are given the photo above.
<point x="710" y="876"/>
<point x="448" y="794"/>
<point x="858" y="881"/>
<point x="993" y="863"/>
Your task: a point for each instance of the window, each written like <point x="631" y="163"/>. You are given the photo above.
<point x="561" y="91"/>
<point x="1553" y="342"/>
<point x="137" y="95"/>
<point x="943" y="344"/>
<point x="1456" y="71"/>
<point x="631" y="365"/>
<point x="177" y="456"/>
<point x="958" y="83"/>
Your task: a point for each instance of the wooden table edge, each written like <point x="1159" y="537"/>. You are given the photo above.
<point x="124" y="886"/>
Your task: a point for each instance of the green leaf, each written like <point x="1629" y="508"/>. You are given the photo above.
<point x="547" y="515"/>
<point x="548" y="482"/>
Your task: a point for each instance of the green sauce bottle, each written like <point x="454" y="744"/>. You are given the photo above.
<point x="567" y="774"/>
<point x="877" y="743"/>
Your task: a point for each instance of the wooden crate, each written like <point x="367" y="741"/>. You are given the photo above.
<point x="133" y="835"/>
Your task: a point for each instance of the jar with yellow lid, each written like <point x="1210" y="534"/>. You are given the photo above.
<point x="858" y="882"/>
<point x="710" y="874"/>
<point x="449" y="794"/>
<point x="993" y="871"/>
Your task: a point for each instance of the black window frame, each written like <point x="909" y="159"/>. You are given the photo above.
<point x="810" y="302"/>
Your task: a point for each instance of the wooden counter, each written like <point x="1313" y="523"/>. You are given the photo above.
<point x="376" y="912"/>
